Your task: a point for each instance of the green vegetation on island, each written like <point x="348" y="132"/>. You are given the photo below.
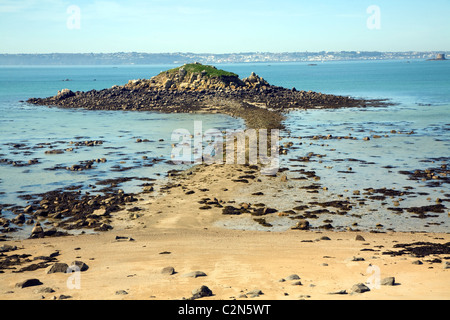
<point x="205" y="70"/>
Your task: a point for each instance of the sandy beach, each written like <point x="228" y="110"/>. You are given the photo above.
<point x="172" y="229"/>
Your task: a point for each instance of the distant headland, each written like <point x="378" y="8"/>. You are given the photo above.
<point x="196" y="87"/>
<point x="178" y="58"/>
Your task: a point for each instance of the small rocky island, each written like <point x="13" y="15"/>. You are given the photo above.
<point x="202" y="88"/>
<point x="439" y="57"/>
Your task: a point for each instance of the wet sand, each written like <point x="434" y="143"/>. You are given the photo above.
<point x="171" y="228"/>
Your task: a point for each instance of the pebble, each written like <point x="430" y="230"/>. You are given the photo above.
<point x="254" y="293"/>
<point x="121" y="292"/>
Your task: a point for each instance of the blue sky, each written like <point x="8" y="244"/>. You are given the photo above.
<point x="43" y="26"/>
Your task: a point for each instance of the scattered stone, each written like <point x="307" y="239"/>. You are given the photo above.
<point x="77" y="266"/>
<point x="28" y="283"/>
<point x="195" y="274"/>
<point x="121" y="292"/>
<point x="389" y="281"/>
<point x="339" y="292"/>
<point x="58" y="267"/>
<point x="301" y="225"/>
<point x="358" y="259"/>
<point x="418" y="262"/>
<point x="122" y="238"/>
<point x="360" y="288"/>
<point x="296" y="283"/>
<point x="293" y="277"/>
<point x="254" y="293"/>
<point x="360" y="238"/>
<point x="37" y="231"/>
<point x="168" y="270"/>
<point x="7" y="248"/>
<point x="44" y="290"/>
<point x="201" y="292"/>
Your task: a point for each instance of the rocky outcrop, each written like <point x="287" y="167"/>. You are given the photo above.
<point x="196" y="87"/>
<point x="439" y="56"/>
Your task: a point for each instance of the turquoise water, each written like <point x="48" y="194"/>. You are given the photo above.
<point x="421" y="90"/>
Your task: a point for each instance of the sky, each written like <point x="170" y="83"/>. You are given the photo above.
<point x="230" y="26"/>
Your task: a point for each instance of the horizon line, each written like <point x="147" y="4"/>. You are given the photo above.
<point x="243" y="52"/>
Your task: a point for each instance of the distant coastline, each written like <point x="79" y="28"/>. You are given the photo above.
<point x="139" y="58"/>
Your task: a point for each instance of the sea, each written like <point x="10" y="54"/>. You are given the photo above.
<point x="413" y="133"/>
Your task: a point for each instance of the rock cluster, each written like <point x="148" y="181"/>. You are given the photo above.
<point x="209" y="90"/>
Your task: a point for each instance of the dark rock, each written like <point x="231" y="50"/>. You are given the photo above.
<point x="7" y="248"/>
<point x="58" y="267"/>
<point x="389" y="281"/>
<point x="254" y="293"/>
<point x="168" y="270"/>
<point x="78" y="266"/>
<point x="201" y="292"/>
<point x="360" y="288"/>
<point x="339" y="292"/>
<point x="301" y="225"/>
<point x="121" y="292"/>
<point x="45" y="290"/>
<point x="292" y="277"/>
<point x="28" y="283"/>
<point x="360" y="238"/>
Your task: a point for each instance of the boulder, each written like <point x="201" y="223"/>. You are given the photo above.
<point x="78" y="266"/>
<point x="360" y="288"/>
<point x="37" y="231"/>
<point x="389" y="281"/>
<point x="302" y="225"/>
<point x="293" y="277"/>
<point x="28" y="283"/>
<point x="168" y="83"/>
<point x="201" y="292"/>
<point x="168" y="270"/>
<point x="58" y="267"/>
<point x="64" y="93"/>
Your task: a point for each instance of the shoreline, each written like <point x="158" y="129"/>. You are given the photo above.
<point x="147" y="245"/>
<point x="172" y="229"/>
